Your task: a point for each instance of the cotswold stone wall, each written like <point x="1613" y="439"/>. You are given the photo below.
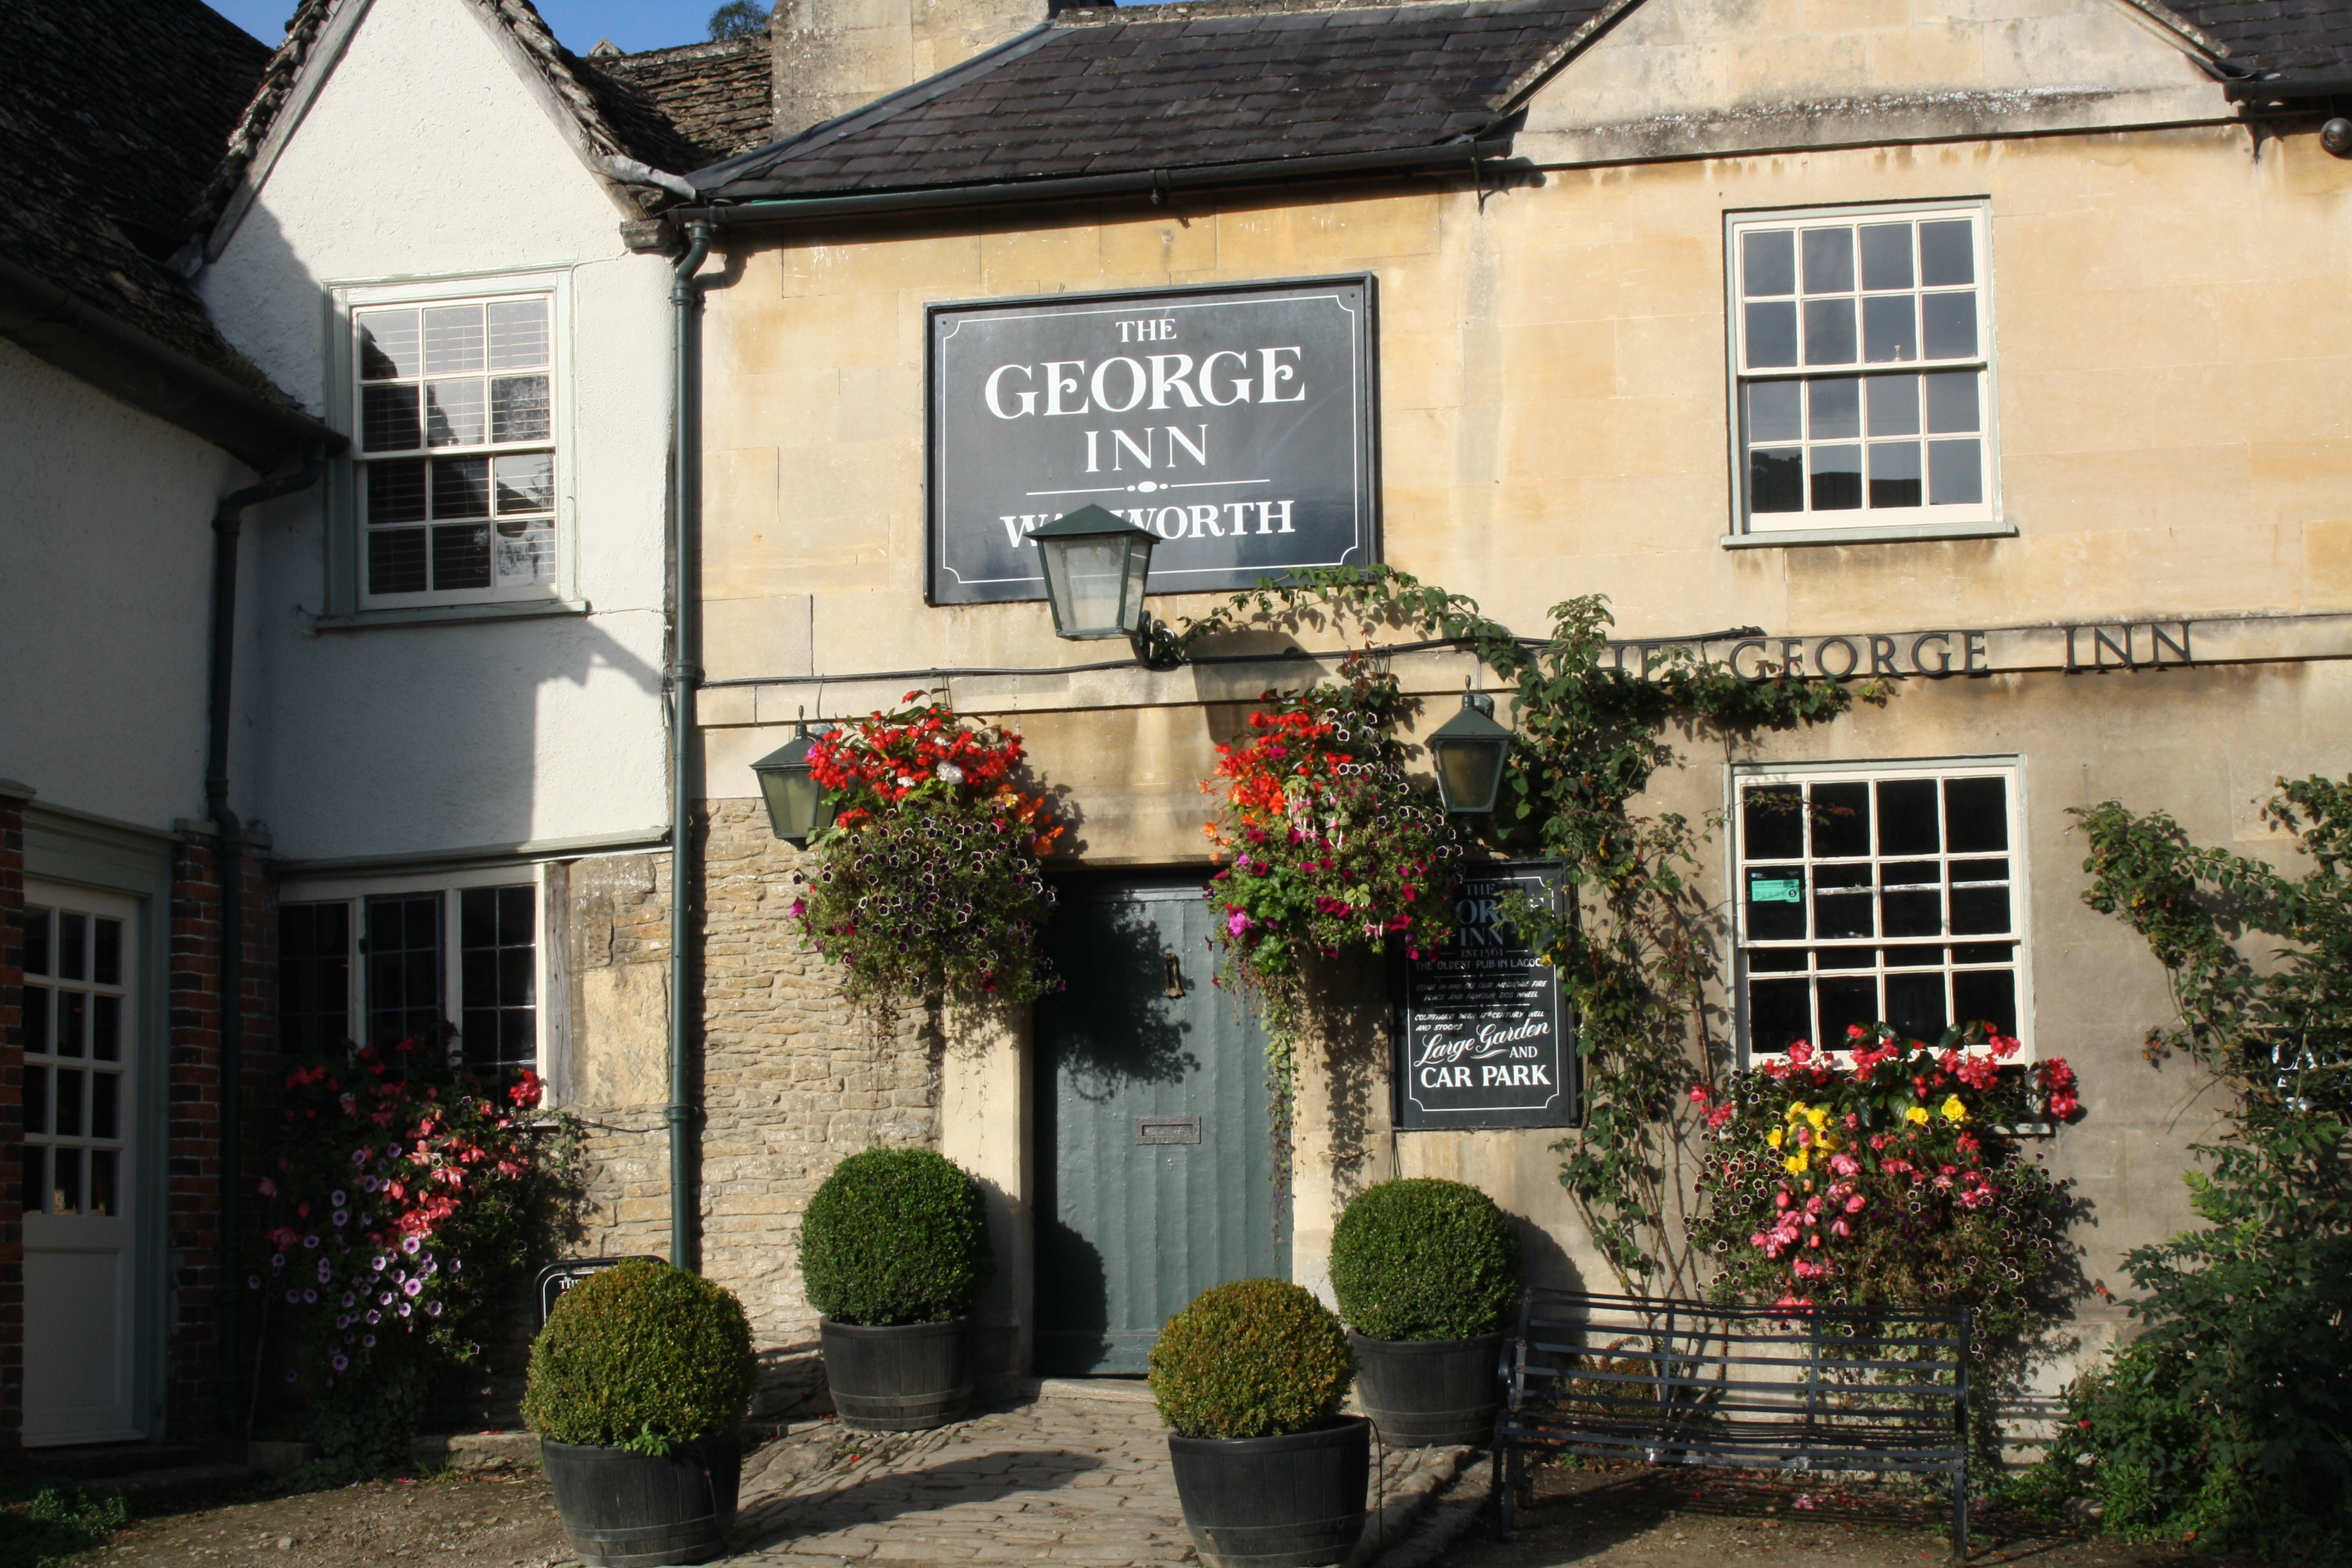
<point x="792" y="1078"/>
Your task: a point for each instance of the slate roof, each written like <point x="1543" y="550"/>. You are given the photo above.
<point x="2292" y="39"/>
<point x="1229" y="81"/>
<point x="113" y="113"/>
<point x="718" y="99"/>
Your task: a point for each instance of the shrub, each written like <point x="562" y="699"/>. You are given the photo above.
<point x="46" y="1523"/>
<point x="641" y="1357"/>
<point x="1257" y="1358"/>
<point x="895" y="1236"/>
<point x="1424" y="1258"/>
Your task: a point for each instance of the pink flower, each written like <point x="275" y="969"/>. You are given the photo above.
<point x="1238" y="923"/>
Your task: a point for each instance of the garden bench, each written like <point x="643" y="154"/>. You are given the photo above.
<point x="1761" y="1388"/>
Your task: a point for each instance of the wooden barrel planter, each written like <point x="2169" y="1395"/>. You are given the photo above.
<point x="906" y="1377"/>
<point x="1293" y="1502"/>
<point x="623" y="1510"/>
<point x="1423" y="1394"/>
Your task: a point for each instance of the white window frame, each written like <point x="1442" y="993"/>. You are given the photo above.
<point x="349" y="602"/>
<point x="2010" y="768"/>
<point x="355" y="893"/>
<point x="1986" y="518"/>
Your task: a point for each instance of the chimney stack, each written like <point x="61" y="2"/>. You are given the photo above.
<point x="834" y="56"/>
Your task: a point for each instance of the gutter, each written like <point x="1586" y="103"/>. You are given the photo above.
<point x="765" y="206"/>
<point x="683" y="676"/>
<point x="80" y="338"/>
<point x="228" y="852"/>
<point x="2261" y="90"/>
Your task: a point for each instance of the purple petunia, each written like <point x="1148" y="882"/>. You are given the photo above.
<point x="404" y="1309"/>
<point x="434" y="1307"/>
<point x="310" y="1298"/>
<point x="336" y="1198"/>
<point x="349" y="1299"/>
<point x="414" y="1288"/>
<point x="410" y="1244"/>
<point x="373" y="1317"/>
<point x="312" y="1239"/>
<point x="342" y="1215"/>
<point x="339" y="1362"/>
<point x="380" y="1263"/>
<point x="294" y="1296"/>
<point x="367" y="1342"/>
<point x="253" y="1281"/>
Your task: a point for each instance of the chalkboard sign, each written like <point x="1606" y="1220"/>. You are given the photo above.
<point x="1483" y="1037"/>
<point x="557" y="1277"/>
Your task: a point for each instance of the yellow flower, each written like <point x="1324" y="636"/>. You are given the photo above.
<point x="1953" y="1110"/>
<point x="1773" y="1138"/>
<point x="1824" y="1143"/>
<point x="1917" y="1114"/>
<point x="1819" y="1116"/>
<point x="1796" y="1110"/>
<point x="1797" y="1162"/>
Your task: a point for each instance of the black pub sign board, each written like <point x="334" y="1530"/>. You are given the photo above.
<point x="1236" y="423"/>
<point x="1483" y="1035"/>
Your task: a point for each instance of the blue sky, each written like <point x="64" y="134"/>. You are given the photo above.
<point x="632" y="24"/>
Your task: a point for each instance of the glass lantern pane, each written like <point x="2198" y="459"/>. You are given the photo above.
<point x="1092" y="585"/>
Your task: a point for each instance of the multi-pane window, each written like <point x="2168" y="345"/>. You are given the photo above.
<point x="314" y="978"/>
<point x="1862" y="352"/>
<point x="1893" y="895"/>
<point x="456" y="449"/>
<point x="404" y="963"/>
<point x="498" y="965"/>
<point x="76" y="1104"/>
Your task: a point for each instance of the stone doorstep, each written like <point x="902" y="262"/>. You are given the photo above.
<point x="470" y="1452"/>
<point x="1127" y="1393"/>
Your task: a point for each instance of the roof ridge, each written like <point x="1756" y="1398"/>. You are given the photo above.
<point x="1151" y="11"/>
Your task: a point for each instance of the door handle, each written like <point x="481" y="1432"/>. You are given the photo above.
<point x="1172" y="971"/>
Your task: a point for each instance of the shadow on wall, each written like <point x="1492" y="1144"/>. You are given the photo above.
<point x="430" y="737"/>
<point x="791" y="1382"/>
<point x="1073" y="1301"/>
<point x="1124" y="1034"/>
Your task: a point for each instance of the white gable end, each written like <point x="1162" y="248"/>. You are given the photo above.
<point x="1682" y="78"/>
<point x="424" y="152"/>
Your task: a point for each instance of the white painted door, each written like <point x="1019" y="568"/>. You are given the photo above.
<point x="82" y="1023"/>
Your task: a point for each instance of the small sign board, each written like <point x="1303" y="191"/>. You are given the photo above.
<point x="557" y="1277"/>
<point x="1483" y="1035"/>
<point x="1237" y="423"/>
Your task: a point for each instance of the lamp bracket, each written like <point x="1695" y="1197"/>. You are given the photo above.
<point x="1155" y="644"/>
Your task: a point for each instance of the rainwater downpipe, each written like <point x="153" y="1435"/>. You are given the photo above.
<point x="684" y="677"/>
<point x="228" y="842"/>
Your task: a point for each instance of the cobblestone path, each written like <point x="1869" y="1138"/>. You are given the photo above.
<point x="1078" y="1476"/>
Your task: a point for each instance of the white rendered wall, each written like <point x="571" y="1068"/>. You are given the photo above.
<point x="105" y="597"/>
<point x="427" y="155"/>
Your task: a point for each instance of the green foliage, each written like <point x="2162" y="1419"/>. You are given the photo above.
<point x="928" y="881"/>
<point x="2230" y="1415"/>
<point x="1258" y="1358"/>
<point x="738" y="19"/>
<point x="895" y="1236"/>
<point x="46" y="1524"/>
<point x="1424" y="1258"/>
<point x="641" y="1356"/>
<point x="1887" y="1181"/>
<point x="364" y="1425"/>
<point x="1638" y="959"/>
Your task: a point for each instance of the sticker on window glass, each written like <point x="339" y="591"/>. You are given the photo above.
<point x="1776" y="890"/>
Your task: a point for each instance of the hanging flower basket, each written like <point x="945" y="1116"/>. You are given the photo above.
<point x="931" y="877"/>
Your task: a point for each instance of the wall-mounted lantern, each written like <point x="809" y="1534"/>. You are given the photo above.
<point x="1468" y="750"/>
<point x="1096" y="564"/>
<point x="798" y="807"/>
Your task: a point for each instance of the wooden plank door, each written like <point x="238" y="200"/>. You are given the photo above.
<point x="82" y="1023"/>
<point x="1156" y="1151"/>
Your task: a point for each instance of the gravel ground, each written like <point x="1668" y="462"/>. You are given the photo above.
<point x="1650" y="1519"/>
<point x="477" y="1522"/>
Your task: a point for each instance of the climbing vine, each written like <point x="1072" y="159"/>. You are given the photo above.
<point x="1637" y="954"/>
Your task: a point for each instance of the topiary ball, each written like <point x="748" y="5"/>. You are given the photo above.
<point x="1258" y="1358"/>
<point x="641" y="1356"/>
<point x="895" y="1236"/>
<point x="1425" y="1258"/>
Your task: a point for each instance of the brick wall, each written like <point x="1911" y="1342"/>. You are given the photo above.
<point x="194" y="1291"/>
<point x="11" y="1127"/>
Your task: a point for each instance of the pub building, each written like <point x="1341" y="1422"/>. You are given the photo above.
<point x="1995" y="353"/>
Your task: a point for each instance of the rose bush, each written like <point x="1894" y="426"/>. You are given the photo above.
<point x="1893" y="1178"/>
<point x="930" y="875"/>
